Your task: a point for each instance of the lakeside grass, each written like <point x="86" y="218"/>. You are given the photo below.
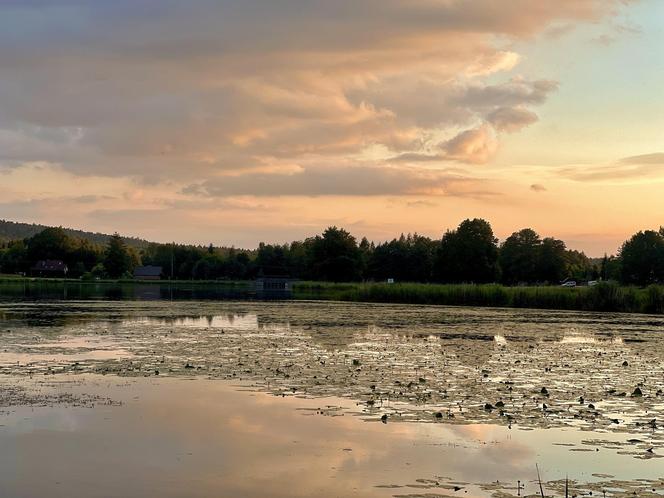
<point x="18" y="278"/>
<point x="609" y="297"/>
<point x="602" y="297"/>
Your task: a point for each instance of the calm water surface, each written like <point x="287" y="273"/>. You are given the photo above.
<point x="210" y="438"/>
<point x="287" y="399"/>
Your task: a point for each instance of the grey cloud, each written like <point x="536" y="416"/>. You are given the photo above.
<point x="472" y="146"/>
<point x="179" y="91"/>
<point x="511" y="119"/>
<point x="90" y="199"/>
<point x="419" y="204"/>
<point x="655" y="158"/>
<point x="348" y="181"/>
<point x="512" y="93"/>
<point x="627" y="168"/>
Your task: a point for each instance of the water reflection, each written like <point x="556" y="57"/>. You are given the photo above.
<point x="230" y="321"/>
<point x="500" y="339"/>
<point x="585" y="338"/>
<point x="44" y="290"/>
<point x="202" y="438"/>
<point x="434" y="359"/>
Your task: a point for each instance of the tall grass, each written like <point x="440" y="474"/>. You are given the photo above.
<point x="602" y="297"/>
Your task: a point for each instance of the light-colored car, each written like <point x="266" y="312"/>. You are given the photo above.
<point x="569" y="283"/>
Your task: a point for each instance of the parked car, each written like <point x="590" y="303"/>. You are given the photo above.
<point x="569" y="283"/>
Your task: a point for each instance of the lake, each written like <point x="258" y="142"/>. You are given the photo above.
<point x="296" y="398"/>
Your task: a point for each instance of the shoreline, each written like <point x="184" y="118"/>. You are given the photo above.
<point x="604" y="297"/>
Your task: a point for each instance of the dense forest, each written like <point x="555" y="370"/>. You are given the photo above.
<point x="469" y="254"/>
<point x="12" y="230"/>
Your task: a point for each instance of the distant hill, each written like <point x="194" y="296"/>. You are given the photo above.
<point x="11" y="230"/>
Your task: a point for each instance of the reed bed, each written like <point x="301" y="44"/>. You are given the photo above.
<point x="602" y="297"/>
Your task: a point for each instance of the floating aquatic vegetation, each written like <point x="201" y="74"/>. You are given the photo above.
<point x="406" y="363"/>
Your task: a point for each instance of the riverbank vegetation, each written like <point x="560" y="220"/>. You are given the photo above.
<point x="601" y="297"/>
<point x="469" y="254"/>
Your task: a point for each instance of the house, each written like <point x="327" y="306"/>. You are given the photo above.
<point x="148" y="272"/>
<point x="49" y="268"/>
<point x="273" y="284"/>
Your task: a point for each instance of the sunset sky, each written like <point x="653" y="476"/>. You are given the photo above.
<point x="233" y="122"/>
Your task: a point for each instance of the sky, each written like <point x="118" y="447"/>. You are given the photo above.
<point x="228" y="122"/>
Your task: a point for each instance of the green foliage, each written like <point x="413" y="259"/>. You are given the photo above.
<point x="11" y="230"/>
<point x="272" y="259"/>
<point x="654" y="302"/>
<point x="336" y="257"/>
<point x="99" y="271"/>
<point x="406" y="259"/>
<point x="552" y="259"/>
<point x="519" y="256"/>
<point x="51" y="243"/>
<point x="602" y="297"/>
<point x="642" y="258"/>
<point x="13" y="258"/>
<point x="118" y="260"/>
<point x="468" y="254"/>
<point x="579" y="267"/>
<point x="525" y="258"/>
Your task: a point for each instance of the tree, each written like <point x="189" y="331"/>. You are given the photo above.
<point x="98" y="271"/>
<point x="118" y="260"/>
<point x="552" y="262"/>
<point x="272" y="259"/>
<point x="390" y="260"/>
<point x="420" y="258"/>
<point x="519" y="257"/>
<point x="300" y="254"/>
<point x="206" y="268"/>
<point x="86" y="256"/>
<point x="336" y="257"/>
<point x="580" y="267"/>
<point x="13" y="259"/>
<point x="610" y="268"/>
<point x="468" y="254"/>
<point x="50" y="243"/>
<point x="642" y="258"/>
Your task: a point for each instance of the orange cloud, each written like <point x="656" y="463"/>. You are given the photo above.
<point x="472" y="146"/>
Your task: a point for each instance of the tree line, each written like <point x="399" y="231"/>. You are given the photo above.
<point x="468" y="254"/>
<point x="13" y="230"/>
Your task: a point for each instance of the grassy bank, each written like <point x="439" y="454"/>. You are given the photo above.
<point x="18" y="278"/>
<point x="603" y="297"/>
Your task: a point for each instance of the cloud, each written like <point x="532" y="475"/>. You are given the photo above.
<point x="632" y="168"/>
<point x="160" y="116"/>
<point x="536" y="187"/>
<point x="617" y="31"/>
<point x="655" y="158"/>
<point x="511" y="119"/>
<point x="170" y="92"/>
<point x="472" y="146"/>
<point x="421" y="204"/>
<point x="346" y="181"/>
